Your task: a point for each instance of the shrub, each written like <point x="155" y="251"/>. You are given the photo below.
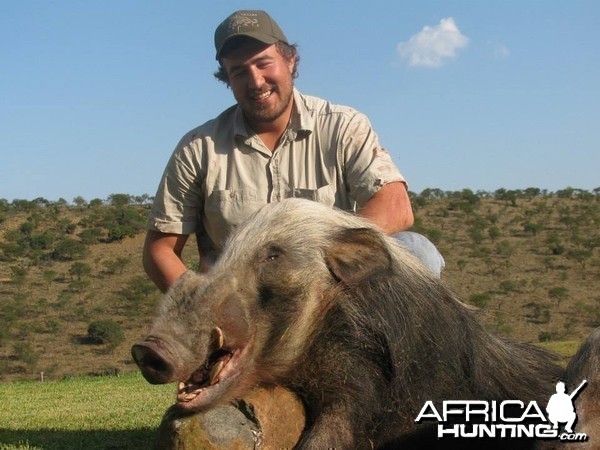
<point x="106" y="332"/>
<point x="69" y="249"/>
<point x="538" y="313"/>
<point x="113" y="266"/>
<point x="118" y="233"/>
<point x="90" y="236"/>
<point x="558" y="293"/>
<point x="79" y="270"/>
<point x="18" y="274"/>
<point x="138" y="289"/>
<point x="532" y="228"/>
<point x="546" y="336"/>
<point x="555" y="244"/>
<point x="4" y="331"/>
<point x="494" y="233"/>
<point x="479" y="300"/>
<point x="508" y="286"/>
<point x="49" y="276"/>
<point x="24" y="352"/>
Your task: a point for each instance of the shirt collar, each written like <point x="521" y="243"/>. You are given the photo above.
<point x="302" y="121"/>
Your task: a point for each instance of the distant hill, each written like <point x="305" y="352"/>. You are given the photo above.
<point x="73" y="295"/>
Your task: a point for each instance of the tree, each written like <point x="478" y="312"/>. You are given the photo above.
<point x="119" y="199"/>
<point x="567" y="192"/>
<point x="531" y="192"/>
<point x="79" y="201"/>
<point x="532" y="228"/>
<point x="558" y="293"/>
<point x="555" y="245"/>
<point x="69" y="249"/>
<point x="494" y="233"/>
<point x="23" y="205"/>
<point x="138" y="289"/>
<point x="49" y="276"/>
<point x="61" y="203"/>
<point x="580" y="255"/>
<point x="25" y="352"/>
<point x="504" y="248"/>
<point x="119" y="233"/>
<point x="116" y="265"/>
<point x="106" y="332"/>
<point x="96" y="202"/>
<point x="79" y="269"/>
<point x="510" y="196"/>
<point x="19" y="274"/>
<point x="90" y="236"/>
<point x="479" y="300"/>
<point x="432" y="194"/>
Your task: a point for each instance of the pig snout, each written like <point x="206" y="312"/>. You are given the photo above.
<point x="155" y="367"/>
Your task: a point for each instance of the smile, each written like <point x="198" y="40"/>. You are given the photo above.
<point x="262" y="96"/>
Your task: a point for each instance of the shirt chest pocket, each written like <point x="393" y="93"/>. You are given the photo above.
<point x="325" y="194"/>
<point x="224" y="209"/>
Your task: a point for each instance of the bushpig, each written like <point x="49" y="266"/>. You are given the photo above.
<point x="321" y="302"/>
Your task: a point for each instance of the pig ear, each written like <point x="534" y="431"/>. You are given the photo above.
<point x="357" y="253"/>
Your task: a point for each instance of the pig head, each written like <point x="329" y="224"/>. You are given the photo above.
<point x="253" y="318"/>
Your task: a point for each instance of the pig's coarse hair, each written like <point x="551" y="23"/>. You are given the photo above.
<point x="354" y="324"/>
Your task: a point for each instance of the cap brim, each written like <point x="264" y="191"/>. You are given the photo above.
<point x="256" y="36"/>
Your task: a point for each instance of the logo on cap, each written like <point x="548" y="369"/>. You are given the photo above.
<point x="242" y="20"/>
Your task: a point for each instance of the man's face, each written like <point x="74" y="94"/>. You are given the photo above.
<point x="261" y="80"/>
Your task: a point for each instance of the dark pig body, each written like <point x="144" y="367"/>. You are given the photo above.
<point x="320" y="302"/>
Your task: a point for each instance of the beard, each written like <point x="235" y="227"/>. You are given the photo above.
<point x="268" y="111"/>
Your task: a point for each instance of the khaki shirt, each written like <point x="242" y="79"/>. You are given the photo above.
<point x="221" y="172"/>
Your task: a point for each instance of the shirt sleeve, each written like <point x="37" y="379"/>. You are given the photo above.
<point x="368" y="166"/>
<point x="178" y="202"/>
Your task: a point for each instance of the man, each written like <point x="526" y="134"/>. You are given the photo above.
<point x="274" y="143"/>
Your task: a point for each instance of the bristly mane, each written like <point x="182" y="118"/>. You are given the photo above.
<point x="403" y="328"/>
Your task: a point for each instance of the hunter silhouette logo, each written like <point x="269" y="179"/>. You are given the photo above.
<point x="507" y="419"/>
<point x="560" y="406"/>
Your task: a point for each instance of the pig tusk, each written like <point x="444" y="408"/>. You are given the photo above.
<point x="218" y="338"/>
<point x="214" y="374"/>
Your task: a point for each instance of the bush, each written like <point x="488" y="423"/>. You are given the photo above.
<point x="79" y="270"/>
<point x="117" y="265"/>
<point x="68" y="249"/>
<point x="546" y="336"/>
<point x="138" y="289"/>
<point x="479" y="300"/>
<point x="106" y="332"/>
<point x="24" y="352"/>
<point x="90" y="236"/>
<point x="119" y="233"/>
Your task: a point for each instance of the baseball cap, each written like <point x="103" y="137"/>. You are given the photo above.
<point x="256" y="24"/>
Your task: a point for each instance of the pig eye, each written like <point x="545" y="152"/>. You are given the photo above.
<point x="273" y="253"/>
<point x="272" y="257"/>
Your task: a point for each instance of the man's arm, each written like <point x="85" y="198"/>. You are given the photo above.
<point x="162" y="258"/>
<point x="389" y="208"/>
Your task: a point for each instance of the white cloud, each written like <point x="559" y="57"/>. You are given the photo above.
<point x="433" y="46"/>
<point x="501" y="52"/>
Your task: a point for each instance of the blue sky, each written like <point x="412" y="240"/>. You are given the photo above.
<point x="94" y="95"/>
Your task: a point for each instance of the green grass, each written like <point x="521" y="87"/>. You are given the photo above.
<point x="82" y="413"/>
<point x="565" y="349"/>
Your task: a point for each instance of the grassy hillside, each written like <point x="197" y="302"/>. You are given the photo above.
<point x="528" y="259"/>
